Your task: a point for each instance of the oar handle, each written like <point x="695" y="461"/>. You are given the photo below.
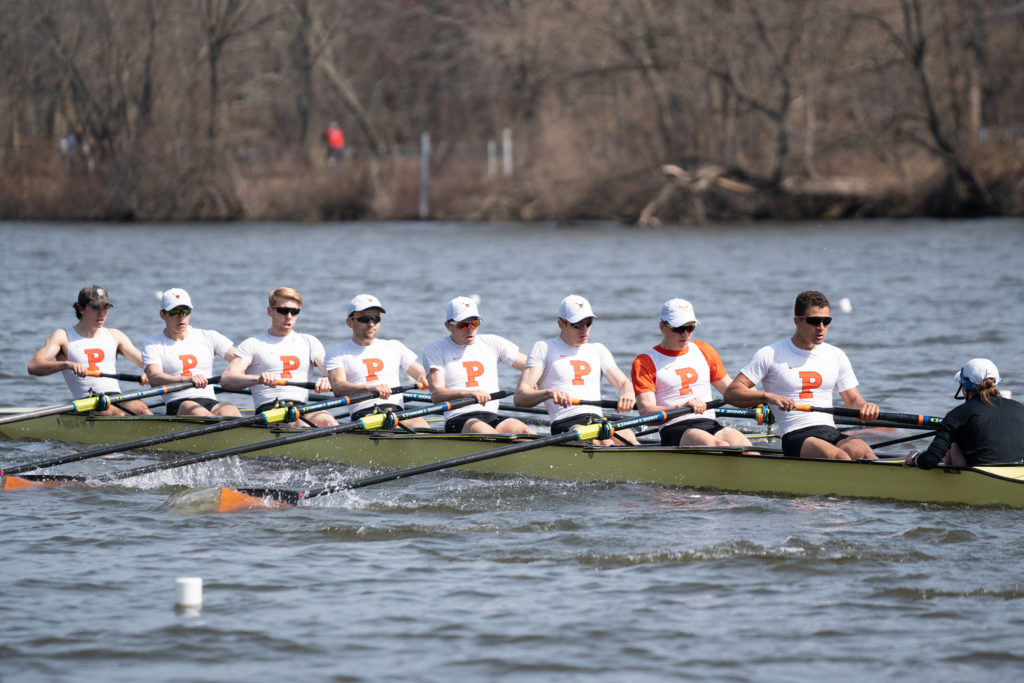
<point x="122" y="376"/>
<point x="903" y="418"/>
<point x="370" y="422"/>
<point x="581" y="433"/>
<point x="600" y="403"/>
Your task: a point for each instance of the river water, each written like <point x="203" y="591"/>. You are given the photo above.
<point x="455" y="577"/>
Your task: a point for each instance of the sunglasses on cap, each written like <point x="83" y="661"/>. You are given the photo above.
<point x="367" y="319"/>
<point x="468" y="324"/>
<point x="689" y="327"/>
<point x="581" y="324"/>
<point x="815" y="320"/>
<point x="287" y="310"/>
<point x="179" y="312"/>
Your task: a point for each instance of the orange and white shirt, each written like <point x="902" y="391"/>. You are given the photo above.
<point x="190" y="356"/>
<point x="473" y="367"/>
<point x="383" y="361"/>
<point x="675" y="377"/>
<point x="804" y="376"/>
<point x="289" y="357"/>
<point x="576" y="370"/>
<point x="100" y="354"/>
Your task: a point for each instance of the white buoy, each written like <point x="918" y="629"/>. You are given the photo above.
<point x="844" y="305"/>
<point x="188" y="591"/>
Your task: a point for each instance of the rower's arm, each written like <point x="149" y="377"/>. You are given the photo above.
<point x="622" y="384"/>
<point x="439" y="393"/>
<point x="43" y="361"/>
<point x="742" y="394"/>
<point x="853" y="399"/>
<point x="126" y="348"/>
<point x="340" y="386"/>
<point x="527" y="394"/>
<point x="234" y="378"/>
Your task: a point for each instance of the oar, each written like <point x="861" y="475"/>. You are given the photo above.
<point x="902" y="418"/>
<point x="123" y="376"/>
<point x="97" y="402"/>
<point x="893" y="442"/>
<point x="272" y="416"/>
<point x="512" y="408"/>
<point x="248" y="497"/>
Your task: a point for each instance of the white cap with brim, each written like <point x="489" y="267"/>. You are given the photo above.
<point x="175" y="298"/>
<point x="575" y="308"/>
<point x="975" y="372"/>
<point x="363" y="302"/>
<point x="678" y="312"/>
<point x="460" y="308"/>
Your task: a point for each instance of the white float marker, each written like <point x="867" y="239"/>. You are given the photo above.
<point x="188" y="591"/>
<point x="844" y="305"/>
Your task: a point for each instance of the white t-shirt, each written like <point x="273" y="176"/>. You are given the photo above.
<point x="383" y="361"/>
<point x="576" y="370"/>
<point x="472" y="367"/>
<point x="804" y="376"/>
<point x="289" y="357"/>
<point x="100" y="354"/>
<point x="192" y="355"/>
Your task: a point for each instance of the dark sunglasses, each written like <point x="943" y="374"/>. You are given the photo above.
<point x="682" y="328"/>
<point x="816" y="320"/>
<point x="179" y="312"/>
<point x="581" y="324"/>
<point x="467" y="324"/>
<point x="287" y="310"/>
<point x="367" y="319"/>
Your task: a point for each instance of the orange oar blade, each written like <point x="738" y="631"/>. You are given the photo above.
<point x="12" y="483"/>
<point x="232" y="500"/>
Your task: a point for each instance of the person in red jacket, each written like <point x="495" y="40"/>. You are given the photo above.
<point x="335" y="143"/>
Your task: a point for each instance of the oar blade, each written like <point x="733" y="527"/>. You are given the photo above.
<point x="9" y="482"/>
<point x="217" y="499"/>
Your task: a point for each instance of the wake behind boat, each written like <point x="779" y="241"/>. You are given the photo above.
<point x="721" y="469"/>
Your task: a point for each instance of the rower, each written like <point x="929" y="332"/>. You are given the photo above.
<point x="465" y="365"/>
<point x="366" y="361"/>
<point x="86" y="349"/>
<point x="274" y="362"/>
<point x="681" y="370"/>
<point x="569" y="367"/>
<point x="182" y="353"/>
<point x="805" y="369"/>
<point x="986" y="428"/>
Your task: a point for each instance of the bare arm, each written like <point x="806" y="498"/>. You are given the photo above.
<point x="125" y="347"/>
<point x="235" y="378"/>
<point x="742" y="394"/>
<point x="528" y="394"/>
<point x="52" y="357"/>
<point x="853" y="399"/>
<point x="340" y="386"/>
<point x="618" y="379"/>
<point x="439" y="392"/>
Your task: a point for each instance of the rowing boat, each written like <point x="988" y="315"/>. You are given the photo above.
<point x="708" y="469"/>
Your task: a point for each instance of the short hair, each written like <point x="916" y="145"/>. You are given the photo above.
<point x="284" y="293"/>
<point x="809" y="299"/>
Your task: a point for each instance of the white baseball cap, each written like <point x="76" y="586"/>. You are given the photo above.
<point x="363" y="301"/>
<point x="461" y="308"/>
<point x="678" y="312"/>
<point x="975" y="372"/>
<point x="173" y="298"/>
<point x="575" y="308"/>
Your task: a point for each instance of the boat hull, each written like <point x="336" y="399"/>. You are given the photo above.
<point x="697" y="468"/>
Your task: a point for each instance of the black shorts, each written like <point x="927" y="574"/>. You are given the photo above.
<point x="671" y="434"/>
<point x="454" y="425"/>
<point x="208" y="403"/>
<point x="279" y="404"/>
<point x="380" y="407"/>
<point x="794" y="441"/>
<point x="567" y="423"/>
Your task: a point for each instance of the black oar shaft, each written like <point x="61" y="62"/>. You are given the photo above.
<point x="903" y="418"/>
<point x="90" y="403"/>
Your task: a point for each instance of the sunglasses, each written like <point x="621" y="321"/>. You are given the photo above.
<point x="816" y="320"/>
<point x="179" y="312"/>
<point x="581" y="324"/>
<point x="101" y="307"/>
<point x="682" y="328"/>
<point x="468" y="324"/>
<point x="367" y="319"/>
<point x="287" y="310"/>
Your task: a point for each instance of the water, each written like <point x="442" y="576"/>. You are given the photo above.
<point x="449" y="576"/>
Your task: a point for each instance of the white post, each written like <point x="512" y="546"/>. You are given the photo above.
<point x="492" y="158"/>
<point x="506" y="152"/>
<point x="424" y="174"/>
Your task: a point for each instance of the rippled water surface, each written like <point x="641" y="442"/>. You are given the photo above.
<point x="460" y="577"/>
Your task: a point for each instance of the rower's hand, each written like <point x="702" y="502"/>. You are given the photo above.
<point x="868" y="412"/>
<point x="383" y="390"/>
<point x="78" y="368"/>
<point x="698" y="405"/>
<point x="144" y="379"/>
<point x="482" y="397"/>
<point x="198" y="381"/>
<point x="322" y="385"/>
<point x="267" y="379"/>
<point x="626" y="403"/>
<point x="911" y="459"/>
<point x="781" y="401"/>
<point x="560" y="397"/>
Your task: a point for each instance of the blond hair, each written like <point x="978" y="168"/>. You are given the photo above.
<point x="284" y="293"/>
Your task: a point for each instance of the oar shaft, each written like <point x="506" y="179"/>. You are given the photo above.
<point x="90" y="403"/>
<point x="903" y="418"/>
<point x="369" y="422"/>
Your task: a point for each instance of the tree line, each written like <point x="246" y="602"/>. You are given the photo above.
<point x="637" y="110"/>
